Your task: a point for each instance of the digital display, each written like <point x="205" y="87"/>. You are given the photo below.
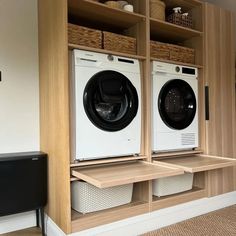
<point x="189" y="71"/>
<point x="125" y="60"/>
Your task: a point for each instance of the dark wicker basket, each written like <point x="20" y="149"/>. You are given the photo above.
<point x="179" y="19"/>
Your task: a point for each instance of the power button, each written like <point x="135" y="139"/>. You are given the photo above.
<point x="177" y="69"/>
<point x="110" y="57"/>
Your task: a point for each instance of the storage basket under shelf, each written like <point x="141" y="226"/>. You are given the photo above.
<point x="172" y="52"/>
<point x="87" y="198"/>
<point x="172" y="185"/>
<point x="181" y="54"/>
<point x="119" y="43"/>
<point x="84" y="36"/>
<point x="179" y="19"/>
<point x="157" y="9"/>
<point x="160" y="50"/>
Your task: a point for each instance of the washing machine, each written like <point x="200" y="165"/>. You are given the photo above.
<point x="174" y="107"/>
<point x="105" y="106"/>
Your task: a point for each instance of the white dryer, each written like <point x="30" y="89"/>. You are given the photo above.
<point x="106" y="106"/>
<point x="174" y="107"/>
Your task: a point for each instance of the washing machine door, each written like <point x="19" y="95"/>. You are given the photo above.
<point x="177" y="104"/>
<point x="110" y="100"/>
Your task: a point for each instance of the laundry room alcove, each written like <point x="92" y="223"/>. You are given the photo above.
<point x="55" y="50"/>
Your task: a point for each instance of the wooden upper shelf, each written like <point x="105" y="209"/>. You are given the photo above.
<point x="197" y="163"/>
<point x="167" y="31"/>
<point x="99" y="13"/>
<point x="185" y="4"/>
<point x="74" y="46"/>
<point x="124" y="173"/>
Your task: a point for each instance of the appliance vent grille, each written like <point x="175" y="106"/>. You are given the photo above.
<point x="188" y="139"/>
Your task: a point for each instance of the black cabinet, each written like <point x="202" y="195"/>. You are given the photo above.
<point x="23" y="183"/>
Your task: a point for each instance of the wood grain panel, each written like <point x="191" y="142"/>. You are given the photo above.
<point x="124" y="173"/>
<point x="54" y="109"/>
<point x="198" y="163"/>
<point x="102" y="15"/>
<point x="219" y="76"/>
<point x="175" y="199"/>
<point x="82" y="222"/>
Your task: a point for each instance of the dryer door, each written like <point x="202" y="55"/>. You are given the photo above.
<point x="177" y="104"/>
<point x="110" y="100"/>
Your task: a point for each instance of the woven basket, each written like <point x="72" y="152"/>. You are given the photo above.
<point x="119" y="43"/>
<point x="86" y="198"/>
<point x="157" y="9"/>
<point x="160" y="50"/>
<point x="84" y="36"/>
<point x="181" y="54"/>
<point x="172" y="52"/>
<point x="179" y="19"/>
<point x="172" y="185"/>
<point x="113" y="4"/>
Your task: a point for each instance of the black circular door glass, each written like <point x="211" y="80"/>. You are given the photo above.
<point x="110" y="100"/>
<point x="177" y="104"/>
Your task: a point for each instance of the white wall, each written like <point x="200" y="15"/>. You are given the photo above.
<point x="19" y="89"/>
<point x="19" y="92"/>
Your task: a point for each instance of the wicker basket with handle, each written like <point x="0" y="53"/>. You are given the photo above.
<point x="157" y="9"/>
<point x="84" y="36"/>
<point x="119" y="43"/>
<point x="179" y="19"/>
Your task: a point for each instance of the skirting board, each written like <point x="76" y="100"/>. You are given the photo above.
<point x="17" y="222"/>
<point x="133" y="226"/>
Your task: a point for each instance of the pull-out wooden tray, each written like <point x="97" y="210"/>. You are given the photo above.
<point x="124" y="173"/>
<point x="197" y="163"/>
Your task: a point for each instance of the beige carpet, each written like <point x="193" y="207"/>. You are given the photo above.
<point x="218" y="223"/>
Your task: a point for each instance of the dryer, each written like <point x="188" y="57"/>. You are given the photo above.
<point x="174" y="107"/>
<point x="106" y="107"/>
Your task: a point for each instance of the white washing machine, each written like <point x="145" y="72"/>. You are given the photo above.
<point x="175" y="107"/>
<point x="106" y="106"/>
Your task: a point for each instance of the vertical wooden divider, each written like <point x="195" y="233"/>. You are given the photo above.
<point x="54" y="107"/>
<point x="148" y="100"/>
<point x="219" y="76"/>
<point x="142" y="32"/>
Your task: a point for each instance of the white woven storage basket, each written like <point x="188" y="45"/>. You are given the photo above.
<point x="173" y="184"/>
<point x="88" y="198"/>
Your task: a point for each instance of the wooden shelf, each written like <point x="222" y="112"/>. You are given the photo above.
<point x="108" y="160"/>
<point x="175" y="199"/>
<point x="177" y="62"/>
<point x="73" y="179"/>
<point x="98" y="13"/>
<point x="197" y="163"/>
<point x="123" y="173"/>
<point x="85" y="221"/>
<point x="186" y="5"/>
<point x="176" y="154"/>
<point x="162" y="30"/>
<point x="74" y="46"/>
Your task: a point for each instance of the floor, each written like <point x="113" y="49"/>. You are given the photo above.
<point x="218" y="223"/>
<point x="27" y="232"/>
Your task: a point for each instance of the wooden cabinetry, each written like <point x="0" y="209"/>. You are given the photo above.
<point x="219" y="77"/>
<point x="54" y="16"/>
